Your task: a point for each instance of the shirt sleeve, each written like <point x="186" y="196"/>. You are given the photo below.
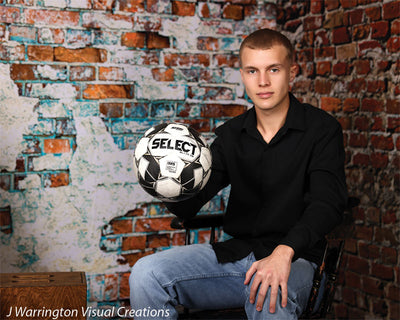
<point x="326" y="195"/>
<point x="218" y="180"/>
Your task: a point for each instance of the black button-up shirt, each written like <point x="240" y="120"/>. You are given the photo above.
<point x="289" y="191"/>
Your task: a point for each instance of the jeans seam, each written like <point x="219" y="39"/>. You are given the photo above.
<point x="194" y="277"/>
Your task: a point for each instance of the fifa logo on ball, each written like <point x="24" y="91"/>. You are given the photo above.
<point x="172" y="162"/>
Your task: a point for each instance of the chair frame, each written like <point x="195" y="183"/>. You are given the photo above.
<point x="329" y="266"/>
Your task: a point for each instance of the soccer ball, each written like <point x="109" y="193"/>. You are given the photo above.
<point x="172" y="162"/>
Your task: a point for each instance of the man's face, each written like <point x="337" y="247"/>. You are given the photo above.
<point x="266" y="75"/>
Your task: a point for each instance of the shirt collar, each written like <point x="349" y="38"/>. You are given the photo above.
<point x="295" y="118"/>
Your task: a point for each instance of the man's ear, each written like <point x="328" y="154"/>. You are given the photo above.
<point x="293" y="71"/>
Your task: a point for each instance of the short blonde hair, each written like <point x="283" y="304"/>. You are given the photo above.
<point x="264" y="39"/>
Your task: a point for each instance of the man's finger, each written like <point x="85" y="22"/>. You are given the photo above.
<point x="284" y="294"/>
<point x="262" y="293"/>
<point x="273" y="298"/>
<point x="249" y="274"/>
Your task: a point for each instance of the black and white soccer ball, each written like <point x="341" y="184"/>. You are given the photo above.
<point x="172" y="162"/>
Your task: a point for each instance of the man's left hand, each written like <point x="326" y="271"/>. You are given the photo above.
<point x="272" y="271"/>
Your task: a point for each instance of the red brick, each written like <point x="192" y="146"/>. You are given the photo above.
<point x="330" y="104"/>
<point x="323" y="68"/>
<point x="345" y="122"/>
<point x="80" y="55"/>
<point x="156" y="41"/>
<point x="389" y="255"/>
<point x="134" y="39"/>
<point x="349" y="296"/>
<point x="333" y="19"/>
<point x="153" y="224"/>
<point x="393" y="44"/>
<point x="393" y="106"/>
<point x="108" y="91"/>
<point x="312" y="23"/>
<point x="372" y="105"/>
<point x="305" y="55"/>
<point x="178" y="239"/>
<point x="379" y="160"/>
<point x="363" y="233"/>
<point x="380" y="29"/>
<point x="395" y="27"/>
<point x="133" y="243"/>
<point x="132" y="258"/>
<point x="52" y="17"/>
<point x="340" y="35"/>
<point x="353" y="280"/>
<point x="111" y="287"/>
<point x="111" y="73"/>
<point x="351" y="104"/>
<point x="55" y="180"/>
<point x="376" y="86"/>
<point x="331" y="4"/>
<point x="373" y="13"/>
<point x="174" y="59"/>
<point x="362" y="66"/>
<point x="121" y="226"/>
<point x="124" y="289"/>
<point x="382" y="143"/>
<point x="81" y="73"/>
<point x="321" y="38"/>
<point x="393" y="124"/>
<point x="163" y="74"/>
<point x="316" y="6"/>
<point x="232" y="11"/>
<point x="353" y="17"/>
<point x="391" y="10"/>
<point x="358" y="265"/>
<point x="340" y="69"/>
<point x="132" y="5"/>
<point x="373" y="286"/>
<point x="361" y="32"/>
<point x="5" y="217"/>
<point x="348" y="4"/>
<point x="393" y="292"/>
<point x="322" y="86"/>
<point x="112" y="110"/>
<point x="207" y="43"/>
<point x="325" y="52"/>
<point x="40" y="53"/>
<point x="358" y="140"/>
<point x="158" y="240"/>
<point x="9" y="14"/>
<point x="362" y="123"/>
<point x="361" y="160"/>
<point x="103" y="4"/>
<point x="221" y="110"/>
<point x="182" y="8"/>
<point x="366" y="46"/>
<point x="56" y="146"/>
<point x="23" y="72"/>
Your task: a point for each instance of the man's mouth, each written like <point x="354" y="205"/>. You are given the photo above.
<point x="264" y="95"/>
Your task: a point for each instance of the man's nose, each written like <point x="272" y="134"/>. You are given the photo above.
<point x="263" y="80"/>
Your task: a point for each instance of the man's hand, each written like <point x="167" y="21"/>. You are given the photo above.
<point x="272" y="271"/>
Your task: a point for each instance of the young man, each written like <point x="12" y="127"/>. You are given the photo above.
<point x="284" y="161"/>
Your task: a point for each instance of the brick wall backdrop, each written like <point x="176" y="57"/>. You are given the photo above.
<point x="81" y="80"/>
<point x="348" y="54"/>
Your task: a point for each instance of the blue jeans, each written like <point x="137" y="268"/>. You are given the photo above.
<point x="191" y="276"/>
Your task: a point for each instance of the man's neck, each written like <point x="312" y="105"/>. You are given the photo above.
<point x="269" y="122"/>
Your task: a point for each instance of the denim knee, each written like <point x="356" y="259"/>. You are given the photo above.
<point x="141" y="274"/>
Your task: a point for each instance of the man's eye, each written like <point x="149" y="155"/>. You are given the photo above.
<point x="252" y="71"/>
<point x="274" y="70"/>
